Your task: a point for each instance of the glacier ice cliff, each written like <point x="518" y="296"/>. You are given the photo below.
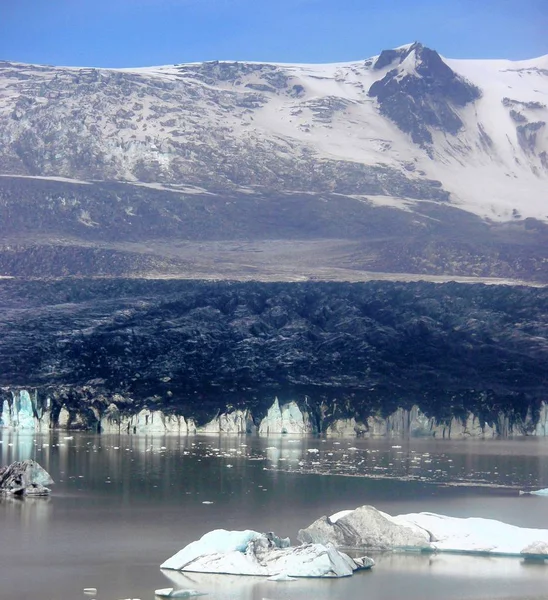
<point x="24" y="412"/>
<point x="285" y="419"/>
<point x="20" y="410"/>
<point x="375" y="359"/>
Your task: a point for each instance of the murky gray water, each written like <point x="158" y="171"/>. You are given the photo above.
<point x="122" y="505"/>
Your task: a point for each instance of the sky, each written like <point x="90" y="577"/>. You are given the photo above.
<point x="130" y="33"/>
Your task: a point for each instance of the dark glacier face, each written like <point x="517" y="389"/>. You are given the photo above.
<point x="339" y="350"/>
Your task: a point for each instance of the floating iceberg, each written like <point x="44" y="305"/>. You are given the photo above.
<point x="252" y="553"/>
<point x="173" y="593"/>
<point x="367" y="527"/>
<point x="543" y="492"/>
<point x="25" y="478"/>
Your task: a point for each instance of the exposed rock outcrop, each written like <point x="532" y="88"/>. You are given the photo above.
<point x="422" y="93"/>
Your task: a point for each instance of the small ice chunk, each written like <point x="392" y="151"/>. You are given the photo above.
<point x="538" y="548"/>
<point x="543" y="492"/>
<point x="281" y="577"/>
<point x="172" y="593"/>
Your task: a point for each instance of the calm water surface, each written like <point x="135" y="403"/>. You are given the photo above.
<point x="122" y="505"/>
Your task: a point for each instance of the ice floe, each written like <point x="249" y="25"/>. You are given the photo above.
<point x="369" y="528"/>
<point x="543" y="492"/>
<point x="251" y="553"/>
<point x="173" y="593"/>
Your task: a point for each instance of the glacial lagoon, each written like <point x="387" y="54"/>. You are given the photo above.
<point x="121" y="505"/>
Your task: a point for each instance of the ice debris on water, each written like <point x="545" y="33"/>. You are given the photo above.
<point x="173" y="593"/>
<point x="543" y="492"/>
<point x="282" y="577"/>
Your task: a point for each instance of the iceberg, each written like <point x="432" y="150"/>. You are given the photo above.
<point x="543" y="492"/>
<point x="367" y="527"/>
<point x="173" y="593"/>
<point x="25" y="478"/>
<point x="251" y="553"/>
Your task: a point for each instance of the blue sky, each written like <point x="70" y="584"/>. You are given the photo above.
<point x="117" y="33"/>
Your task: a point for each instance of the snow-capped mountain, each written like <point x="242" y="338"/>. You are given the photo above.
<point x="422" y="138"/>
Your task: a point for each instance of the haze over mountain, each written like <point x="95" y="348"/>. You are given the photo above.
<point x="404" y="163"/>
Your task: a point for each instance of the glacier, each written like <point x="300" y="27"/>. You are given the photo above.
<point x="474" y="125"/>
<point x="251" y="553"/>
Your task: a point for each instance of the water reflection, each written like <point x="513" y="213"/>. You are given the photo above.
<point x="123" y="504"/>
<point x="16" y="446"/>
<point x="484" y="567"/>
<point x="229" y="587"/>
<point x="32" y="513"/>
<point x="154" y="464"/>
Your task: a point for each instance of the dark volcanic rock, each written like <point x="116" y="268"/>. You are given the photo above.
<point x="387" y="57"/>
<point x="24" y="478"/>
<point x="340" y="350"/>
<point x="422" y="93"/>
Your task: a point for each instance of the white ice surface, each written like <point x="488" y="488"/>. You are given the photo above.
<point x="232" y="553"/>
<point x="490" y="181"/>
<point x="469" y="535"/>
<point x="475" y="534"/>
<point x="173" y="593"/>
<point x="218" y="541"/>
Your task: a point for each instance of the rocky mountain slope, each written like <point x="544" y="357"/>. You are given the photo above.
<point x="407" y="162"/>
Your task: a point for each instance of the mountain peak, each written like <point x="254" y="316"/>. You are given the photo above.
<point x="390" y="56"/>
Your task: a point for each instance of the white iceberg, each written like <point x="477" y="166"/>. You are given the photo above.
<point x="476" y="535"/>
<point x="173" y="593"/>
<point x="369" y="528"/>
<point x="252" y="553"/>
<point x="543" y="492"/>
<point x="25" y="478"/>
